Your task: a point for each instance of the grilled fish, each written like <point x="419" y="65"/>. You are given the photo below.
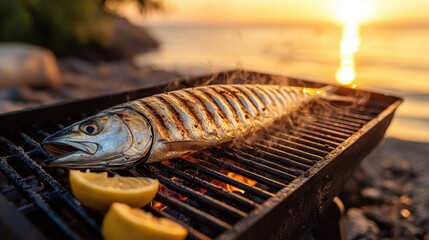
<point x="171" y="124"/>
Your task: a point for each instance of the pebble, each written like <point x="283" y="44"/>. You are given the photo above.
<point x="382" y="215"/>
<point x="372" y="194"/>
<point x="29" y="65"/>
<point x="392" y="186"/>
<point x="408" y="231"/>
<point x="358" y="226"/>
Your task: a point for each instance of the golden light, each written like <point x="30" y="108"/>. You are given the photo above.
<point x="349" y="45"/>
<point x="345" y="75"/>
<point x="350" y="42"/>
<point x="405" y="213"/>
<point x="240" y="178"/>
<point x="351" y="13"/>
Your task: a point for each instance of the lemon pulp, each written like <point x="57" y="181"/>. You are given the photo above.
<point x="98" y="191"/>
<point x="124" y="222"/>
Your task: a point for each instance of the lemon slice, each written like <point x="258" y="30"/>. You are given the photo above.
<point x="124" y="222"/>
<point x="98" y="191"/>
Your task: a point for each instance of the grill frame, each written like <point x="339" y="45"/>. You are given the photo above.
<point x="288" y="205"/>
<point x="323" y="177"/>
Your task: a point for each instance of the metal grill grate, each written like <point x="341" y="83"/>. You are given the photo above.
<point x="198" y="190"/>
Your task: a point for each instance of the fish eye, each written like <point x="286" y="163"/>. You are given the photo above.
<point x="91" y="127"/>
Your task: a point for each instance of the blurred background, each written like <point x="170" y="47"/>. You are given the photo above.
<point x="113" y="45"/>
<point x="54" y="50"/>
<point x="379" y="45"/>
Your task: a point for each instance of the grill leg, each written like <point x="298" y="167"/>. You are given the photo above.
<point x="330" y="224"/>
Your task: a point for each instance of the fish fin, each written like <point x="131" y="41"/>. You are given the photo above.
<point x="179" y="146"/>
<point x="328" y="93"/>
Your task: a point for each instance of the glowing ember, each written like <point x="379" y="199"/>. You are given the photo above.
<point x="170" y="193"/>
<point x="405" y="213"/>
<point x="237" y="177"/>
<point x="241" y="179"/>
<point x="168" y="163"/>
<point x="160" y="206"/>
<point x="190" y="159"/>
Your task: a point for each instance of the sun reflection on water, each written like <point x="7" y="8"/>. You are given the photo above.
<point x="349" y="45"/>
<point x="350" y="12"/>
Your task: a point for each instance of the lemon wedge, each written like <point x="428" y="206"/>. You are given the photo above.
<point x="98" y="191"/>
<point x="124" y="222"/>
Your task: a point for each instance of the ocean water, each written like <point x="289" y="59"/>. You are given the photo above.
<point x="393" y="60"/>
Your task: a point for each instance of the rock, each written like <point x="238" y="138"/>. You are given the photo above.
<point x="372" y="194"/>
<point x="25" y="94"/>
<point x="393" y="187"/>
<point x="408" y="231"/>
<point x="9" y="106"/>
<point x="17" y="98"/>
<point x="358" y="226"/>
<point x="396" y="172"/>
<point x="23" y="64"/>
<point x="383" y="215"/>
<point x="81" y="79"/>
<point x="124" y="43"/>
<point x="129" y="40"/>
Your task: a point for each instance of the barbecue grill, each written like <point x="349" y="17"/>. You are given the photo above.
<point x="273" y="187"/>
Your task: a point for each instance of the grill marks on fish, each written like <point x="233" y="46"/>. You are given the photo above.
<point x="234" y="111"/>
<point x="221" y="125"/>
<point x="246" y="101"/>
<point x="238" y="108"/>
<point x="173" y="117"/>
<point x="200" y="109"/>
<point x="259" y="105"/>
<point x="294" y="96"/>
<point x="268" y="106"/>
<point x="217" y="113"/>
<point x="192" y="121"/>
<point x="279" y="96"/>
<point x="153" y="115"/>
<point x="288" y="96"/>
<point x="275" y="104"/>
<point x="183" y="116"/>
<point x="222" y="109"/>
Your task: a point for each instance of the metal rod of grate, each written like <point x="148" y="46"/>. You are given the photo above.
<point x="19" y="155"/>
<point x="198" y="189"/>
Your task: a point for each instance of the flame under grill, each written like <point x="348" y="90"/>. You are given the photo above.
<point x="275" y="186"/>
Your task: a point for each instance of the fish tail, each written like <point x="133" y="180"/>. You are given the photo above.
<point x="328" y="92"/>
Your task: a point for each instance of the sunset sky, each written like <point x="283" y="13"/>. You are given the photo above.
<point x="287" y="11"/>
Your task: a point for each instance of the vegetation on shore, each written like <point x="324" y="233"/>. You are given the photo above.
<point x="63" y="26"/>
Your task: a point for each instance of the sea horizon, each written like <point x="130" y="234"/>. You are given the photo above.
<point x="309" y="52"/>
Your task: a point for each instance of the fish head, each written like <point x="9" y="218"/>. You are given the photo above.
<point x="104" y="141"/>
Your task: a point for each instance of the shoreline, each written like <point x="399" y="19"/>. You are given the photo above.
<point x="82" y="79"/>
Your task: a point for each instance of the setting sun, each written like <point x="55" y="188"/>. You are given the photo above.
<point x="352" y="11"/>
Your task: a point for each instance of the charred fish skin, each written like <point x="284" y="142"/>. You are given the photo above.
<point x="189" y="119"/>
<point x="168" y="125"/>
